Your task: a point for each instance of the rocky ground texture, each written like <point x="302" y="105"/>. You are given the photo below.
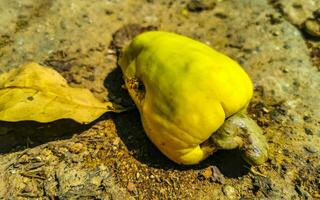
<point x="276" y="42"/>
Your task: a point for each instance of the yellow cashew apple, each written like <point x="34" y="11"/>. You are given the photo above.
<point x="191" y="98"/>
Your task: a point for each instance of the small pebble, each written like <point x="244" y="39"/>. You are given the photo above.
<point x="312" y="27"/>
<point x="311" y="149"/>
<point x="199" y="5"/>
<point x="75" y="148"/>
<point x="131" y="186"/>
<point x="207" y="173"/>
<point x="229" y="191"/>
<point x="96" y="180"/>
<point x="276" y="33"/>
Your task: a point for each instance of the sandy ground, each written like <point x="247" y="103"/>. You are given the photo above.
<point x="112" y="158"/>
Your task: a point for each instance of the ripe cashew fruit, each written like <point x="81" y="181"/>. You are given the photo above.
<point x="191" y="98"/>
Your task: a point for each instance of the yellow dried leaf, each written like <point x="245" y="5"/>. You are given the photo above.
<point x="38" y="93"/>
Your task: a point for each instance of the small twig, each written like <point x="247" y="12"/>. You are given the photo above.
<point x="28" y="195"/>
<point x="16" y="159"/>
<point x="29" y="175"/>
<point x="255" y="172"/>
<point x="34" y="166"/>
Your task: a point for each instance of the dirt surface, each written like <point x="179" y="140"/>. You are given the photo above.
<point x="112" y="158"/>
